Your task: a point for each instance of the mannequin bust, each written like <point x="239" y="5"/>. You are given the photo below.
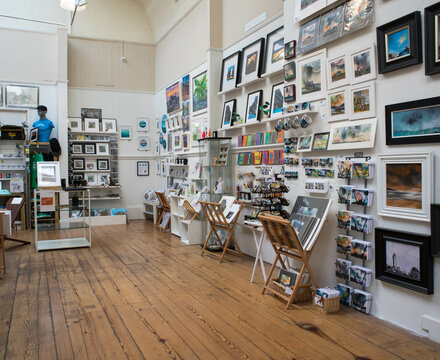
<point x="44" y="125"/>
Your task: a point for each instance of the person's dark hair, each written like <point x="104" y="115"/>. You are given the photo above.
<point x="42" y="108"/>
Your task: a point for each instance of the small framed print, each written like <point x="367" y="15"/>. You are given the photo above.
<point x="338" y="102"/>
<point x="102" y="149"/>
<point x="143" y="143"/>
<point x="33" y="136"/>
<point x="89" y="149"/>
<point x="290" y="50"/>
<point x="143" y="168"/>
<point x="338" y="73"/>
<point x="103" y="179"/>
<point x="289" y="93"/>
<point x="172" y="94"/>
<point x="92" y="179"/>
<point x="177" y="141"/>
<point x="22" y="96"/>
<point x="109" y="126"/>
<point x="125" y="132"/>
<point x="308" y="35"/>
<point x="142" y="124"/>
<point x="77" y="149"/>
<point x="432" y="39"/>
<point x="363" y="65"/>
<point x="290" y="71"/>
<point x="185" y="141"/>
<point x="78" y="164"/>
<point x="230" y="76"/>
<point x="170" y="143"/>
<point x="103" y="164"/>
<point x="320" y="141"/>
<point x="91" y="125"/>
<point x="252" y="60"/>
<point x="312" y="76"/>
<point x="90" y="165"/>
<point x="331" y="25"/>
<point x="363" y="101"/>
<point x="277" y="100"/>
<point x="75" y="125"/>
<point x="253" y="107"/>
<point x="305" y="143"/>
<point x="305" y="8"/>
<point x="399" y="43"/>
<point x="228" y="110"/>
<point x="274" y="51"/>
<point x="200" y="93"/>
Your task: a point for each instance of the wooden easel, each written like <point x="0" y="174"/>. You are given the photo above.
<point x="165" y="207"/>
<point x="2" y="248"/>
<point x="190" y="211"/>
<point x="217" y="220"/>
<point x="285" y="242"/>
<point x="15" y="210"/>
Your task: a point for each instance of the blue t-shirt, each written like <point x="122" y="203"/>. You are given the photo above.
<point x="45" y="127"/>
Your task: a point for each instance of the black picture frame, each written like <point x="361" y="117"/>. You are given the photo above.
<point x="432" y="39"/>
<point x="234" y="106"/>
<point x="94" y="148"/>
<point x="78" y="167"/>
<point x="33" y="134"/>
<point x="287" y="67"/>
<point x="269" y="52"/>
<point x="421" y="279"/>
<point x="435" y="230"/>
<point x="141" y="164"/>
<point x="238" y="70"/>
<point x="259" y="68"/>
<point x="433" y="107"/>
<point x="290" y="50"/>
<point x="287" y="97"/>
<point x="260" y="99"/>
<point x="106" y="161"/>
<point x="411" y="23"/>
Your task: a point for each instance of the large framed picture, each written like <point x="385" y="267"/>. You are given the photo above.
<point x="348" y="135"/>
<point x="413" y="122"/>
<point x="338" y="73"/>
<point x="230" y="72"/>
<point x="312" y="76"/>
<point x="435" y="230"/>
<point x="363" y="100"/>
<point x="274" y="51"/>
<point x="403" y="259"/>
<point x="405" y="185"/>
<point x="48" y="174"/>
<point x="143" y="168"/>
<point x="22" y="96"/>
<point x="253" y="107"/>
<point x="252" y="61"/>
<point x="305" y="8"/>
<point x="228" y="110"/>
<point x="338" y="102"/>
<point x="277" y="100"/>
<point x="200" y="93"/>
<point x="173" y="97"/>
<point x="399" y="43"/>
<point x="432" y="39"/>
<point x="308" y="35"/>
<point x="363" y="64"/>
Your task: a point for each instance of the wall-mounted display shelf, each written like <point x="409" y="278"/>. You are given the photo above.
<point x="257" y="147"/>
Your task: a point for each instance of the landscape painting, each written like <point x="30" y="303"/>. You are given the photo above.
<point x="200" y="93"/>
<point x="403" y="259"/>
<point x="404" y="185"/>
<point x="361" y="101"/>
<point x="337" y="69"/>
<point x="397" y="44"/>
<point x="362" y="64"/>
<point x="311" y="77"/>
<point x="306" y="3"/>
<point x="172" y="97"/>
<point x="352" y="134"/>
<point x="337" y="104"/>
<point x="416" y="122"/>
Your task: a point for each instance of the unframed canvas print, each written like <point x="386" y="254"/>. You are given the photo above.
<point x="331" y="25"/>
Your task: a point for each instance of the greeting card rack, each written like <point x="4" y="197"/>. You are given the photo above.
<point x="269" y="198"/>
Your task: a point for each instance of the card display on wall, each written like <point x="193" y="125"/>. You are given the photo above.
<point x="230" y="76"/>
<point x="274" y="51"/>
<point x="277" y="100"/>
<point x="404" y="259"/>
<point x="359" y="134"/>
<point x="251" y="62"/>
<point x="185" y="88"/>
<point x="142" y="124"/>
<point x="331" y="25"/>
<point x="432" y="39"/>
<point x="228" y="110"/>
<point x="75" y="125"/>
<point x="200" y="93"/>
<point x="290" y="71"/>
<point x="405" y="186"/>
<point x="308" y="35"/>
<point x="413" y="122"/>
<point x="102" y="149"/>
<point x="22" y="96"/>
<point x="172" y="94"/>
<point x="338" y="102"/>
<point x="312" y="76"/>
<point x="143" y="168"/>
<point x="91" y="125"/>
<point x="253" y="106"/>
<point x="363" y="65"/>
<point x="399" y="43"/>
<point x="305" y="8"/>
<point x="290" y="50"/>
<point x="363" y="100"/>
<point x="358" y="14"/>
<point x="338" y="71"/>
<point x="143" y="143"/>
<point x="109" y="126"/>
<point x="125" y="132"/>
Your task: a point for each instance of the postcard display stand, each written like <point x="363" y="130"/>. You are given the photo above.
<point x="357" y="167"/>
<point x="80" y="232"/>
<point x="90" y="149"/>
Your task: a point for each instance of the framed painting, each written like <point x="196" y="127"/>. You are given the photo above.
<point x="405" y="185"/>
<point x="200" y="93"/>
<point x="289" y="93"/>
<point x="290" y="71"/>
<point x="253" y="107"/>
<point x="357" y="15"/>
<point x="48" y="174"/>
<point x="90" y="149"/>
<point x="331" y="25"/>
<point x="403" y="259"/>
<point x="91" y="125"/>
<point x="185" y="88"/>
<point x="305" y="8"/>
<point x="21" y="96"/>
<point x="92" y="179"/>
<point x="320" y="141"/>
<point x="170" y="139"/>
<point x="142" y="124"/>
<point x="348" y="135"/>
<point x="185" y="141"/>
<point x="308" y="36"/>
<point x="399" y="43"/>
<point x="90" y="165"/>
<point x="252" y="61"/>
<point x="102" y="149"/>
<point x="312" y="77"/>
<point x="143" y="168"/>
<point x="77" y="149"/>
<point x="177" y="141"/>
<point x="228" y="110"/>
<point x="197" y="126"/>
<point x="230" y="72"/>
<point x="305" y="143"/>
<point x="172" y="94"/>
<point x="413" y="122"/>
<point x="109" y="126"/>
<point x="103" y="164"/>
<point x="338" y="71"/>
<point x="338" y="104"/>
<point x="277" y="100"/>
<point x="75" y="124"/>
<point x="143" y="143"/>
<point x="274" y="51"/>
<point x="363" y="100"/>
<point x="78" y="164"/>
<point x="432" y="39"/>
<point x="435" y="230"/>
<point x="363" y="65"/>
<point x="125" y="132"/>
<point x="290" y="50"/>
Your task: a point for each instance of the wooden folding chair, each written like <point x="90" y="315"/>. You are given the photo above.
<point x="190" y="211"/>
<point x="15" y="210"/>
<point x="165" y="207"/>
<point x="217" y="220"/>
<point x="285" y="242"/>
<point x="2" y="248"/>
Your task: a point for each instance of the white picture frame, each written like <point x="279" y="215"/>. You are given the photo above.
<point x="102" y="149"/>
<point x="305" y="92"/>
<point x="157" y="148"/>
<point x="338" y="71"/>
<point x="358" y="72"/>
<point x="48" y="174"/>
<point x="393" y="167"/>
<point x="91" y="125"/>
<point x="303" y="141"/>
<point x="103" y="179"/>
<point x="143" y="124"/>
<point x="177" y="141"/>
<point x="338" y="104"/>
<point x="109" y="126"/>
<point x="90" y="165"/>
<point x="364" y="139"/>
<point x="125" y="132"/>
<point x="92" y="179"/>
<point x="143" y="143"/>
<point x="302" y="11"/>
<point x="75" y="125"/>
<point x="363" y="93"/>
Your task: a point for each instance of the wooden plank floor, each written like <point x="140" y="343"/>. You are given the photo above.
<point x="141" y="294"/>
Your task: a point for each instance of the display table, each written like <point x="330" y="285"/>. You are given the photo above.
<point x="259" y="237"/>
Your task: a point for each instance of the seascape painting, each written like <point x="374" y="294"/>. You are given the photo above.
<point x="311" y="77"/>
<point x="416" y="122"/>
<point x="397" y="44"/>
<point x="404" y="185"/>
<point x="337" y="104"/>
<point x="337" y="69"/>
<point x="403" y="259"/>
<point x="352" y="134"/>
<point x="362" y="64"/>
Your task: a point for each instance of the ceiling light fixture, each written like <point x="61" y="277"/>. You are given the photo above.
<point x="73" y="5"/>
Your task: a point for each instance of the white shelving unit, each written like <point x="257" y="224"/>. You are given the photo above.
<point x="177" y="213"/>
<point x="150" y="209"/>
<point x="191" y="233"/>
